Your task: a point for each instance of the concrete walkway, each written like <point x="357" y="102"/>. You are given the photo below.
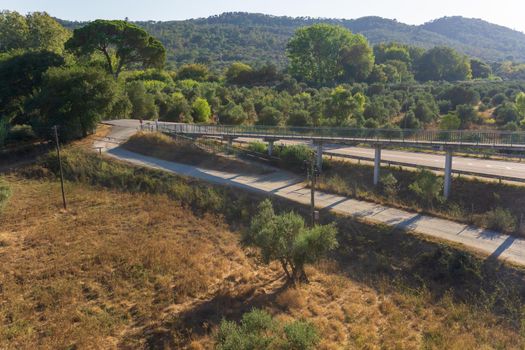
<point x="288" y="186"/>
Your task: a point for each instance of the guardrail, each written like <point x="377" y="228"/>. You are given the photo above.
<point x="480" y="139"/>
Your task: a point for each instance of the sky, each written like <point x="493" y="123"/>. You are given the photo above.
<point x="509" y="13"/>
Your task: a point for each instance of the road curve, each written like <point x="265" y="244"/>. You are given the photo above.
<point x="282" y="184"/>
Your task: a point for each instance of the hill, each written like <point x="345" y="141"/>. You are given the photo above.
<point x="258" y="38"/>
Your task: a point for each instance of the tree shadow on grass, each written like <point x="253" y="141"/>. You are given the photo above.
<point x="178" y="329"/>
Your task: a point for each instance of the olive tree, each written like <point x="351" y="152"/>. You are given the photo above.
<point x="284" y="238"/>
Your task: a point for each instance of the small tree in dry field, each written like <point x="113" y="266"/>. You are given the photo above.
<point x="284" y="238"/>
<point x="427" y="187"/>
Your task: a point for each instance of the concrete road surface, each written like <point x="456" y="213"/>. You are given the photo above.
<point x="283" y="184"/>
<point x="475" y="165"/>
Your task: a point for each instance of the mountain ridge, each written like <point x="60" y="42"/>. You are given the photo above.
<point x="255" y="38"/>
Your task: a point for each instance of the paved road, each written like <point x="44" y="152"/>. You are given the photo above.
<point x="475" y="165"/>
<point x="285" y="185"/>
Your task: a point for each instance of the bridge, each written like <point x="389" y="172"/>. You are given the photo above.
<point x="448" y="140"/>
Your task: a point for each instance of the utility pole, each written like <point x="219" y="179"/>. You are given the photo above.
<point x="55" y="128"/>
<point x="312" y="172"/>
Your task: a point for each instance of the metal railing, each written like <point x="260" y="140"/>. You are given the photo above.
<point x="492" y="139"/>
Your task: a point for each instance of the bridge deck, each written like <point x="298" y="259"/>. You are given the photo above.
<point x="420" y="138"/>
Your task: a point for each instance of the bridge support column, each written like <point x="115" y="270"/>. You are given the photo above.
<point x="377" y="165"/>
<point x="319" y="156"/>
<point x="447" y="187"/>
<point x="270" y="147"/>
<point x="230" y="143"/>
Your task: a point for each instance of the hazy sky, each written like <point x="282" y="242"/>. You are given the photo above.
<point x="510" y="13"/>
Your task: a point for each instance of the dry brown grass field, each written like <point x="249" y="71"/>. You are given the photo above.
<point x="142" y="271"/>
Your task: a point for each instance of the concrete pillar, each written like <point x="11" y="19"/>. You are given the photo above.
<point x="230" y="144"/>
<point x="270" y="148"/>
<point x="377" y="165"/>
<point x="319" y="156"/>
<point x="448" y="175"/>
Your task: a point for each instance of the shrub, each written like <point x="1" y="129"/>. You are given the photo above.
<point x="427" y="187"/>
<point x="300" y="335"/>
<point x="294" y="157"/>
<point x="500" y="219"/>
<point x="284" y="238"/>
<point x="5" y="192"/>
<point x="257" y="330"/>
<point x="257" y="147"/>
<point x="389" y="185"/>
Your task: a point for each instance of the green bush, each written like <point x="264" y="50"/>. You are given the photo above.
<point x="293" y="157"/>
<point x="257" y="330"/>
<point x="258" y="147"/>
<point x="389" y="185"/>
<point x="427" y="187"/>
<point x="300" y="335"/>
<point x="5" y="192"/>
<point x="500" y="219"/>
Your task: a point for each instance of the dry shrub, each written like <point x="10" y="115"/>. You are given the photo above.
<point x="291" y="299"/>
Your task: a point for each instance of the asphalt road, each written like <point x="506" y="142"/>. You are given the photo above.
<point x="475" y="165"/>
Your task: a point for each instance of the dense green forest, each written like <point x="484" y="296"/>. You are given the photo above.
<point x="50" y="75"/>
<point x="256" y="38"/>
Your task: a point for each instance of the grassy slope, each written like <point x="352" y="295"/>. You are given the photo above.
<point x="133" y="270"/>
<point x="164" y="147"/>
<point x="469" y="201"/>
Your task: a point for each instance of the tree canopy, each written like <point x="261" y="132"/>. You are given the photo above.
<point x="285" y="238"/>
<point x="121" y="43"/>
<point x="324" y="53"/>
<point x="36" y="31"/>
<point x="75" y="99"/>
<point x="443" y="63"/>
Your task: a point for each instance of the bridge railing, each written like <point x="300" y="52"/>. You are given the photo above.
<point x="461" y="137"/>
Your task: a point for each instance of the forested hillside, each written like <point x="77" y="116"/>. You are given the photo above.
<point x="257" y="38"/>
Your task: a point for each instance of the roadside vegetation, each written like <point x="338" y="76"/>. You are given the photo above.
<point x="182" y="150"/>
<point x="498" y="206"/>
<point x="165" y="266"/>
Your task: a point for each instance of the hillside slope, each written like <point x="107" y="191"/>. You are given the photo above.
<point x="257" y="38"/>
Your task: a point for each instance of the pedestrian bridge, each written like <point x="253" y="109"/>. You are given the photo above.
<point x="455" y="139"/>
<point x="449" y="141"/>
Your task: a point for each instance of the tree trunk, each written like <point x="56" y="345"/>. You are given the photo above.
<point x="284" y="264"/>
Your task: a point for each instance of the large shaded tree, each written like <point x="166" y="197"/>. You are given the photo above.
<point x="75" y="99"/>
<point x="20" y="76"/>
<point x="13" y="31"/>
<point x="443" y="63"/>
<point x="36" y="31"/>
<point x="324" y="54"/>
<point x="121" y="43"/>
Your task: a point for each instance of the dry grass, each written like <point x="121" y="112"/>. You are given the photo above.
<point x="183" y="151"/>
<point x="111" y="264"/>
<point x="137" y="271"/>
